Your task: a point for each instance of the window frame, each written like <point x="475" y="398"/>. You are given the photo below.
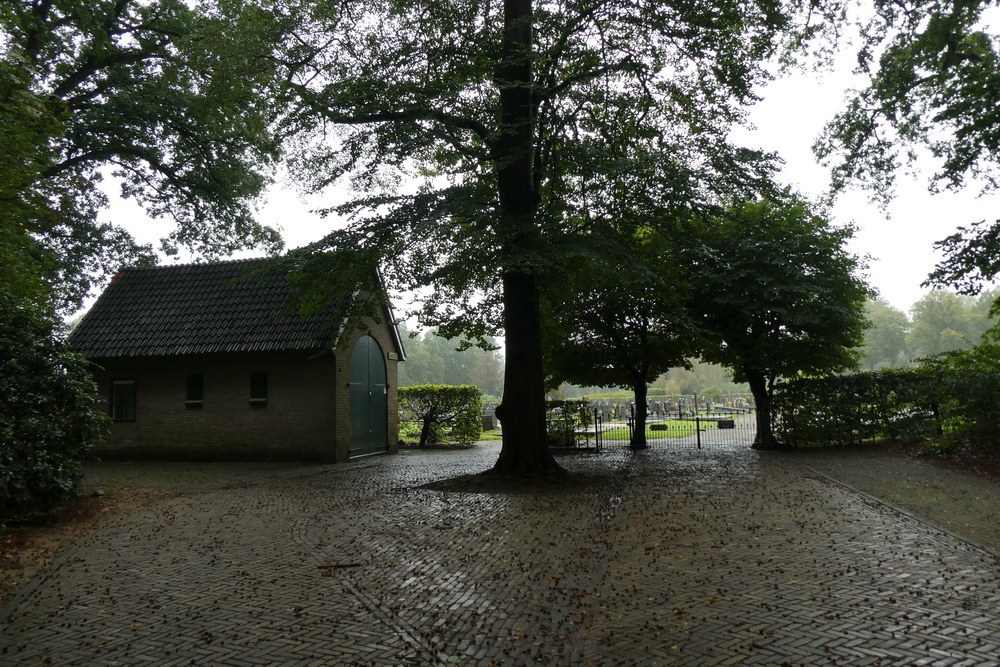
<point x="122" y="407"/>
<point x="259" y="380"/>
<point x="194" y="391"/>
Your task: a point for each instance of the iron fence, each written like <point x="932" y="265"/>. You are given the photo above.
<point x="671" y="421"/>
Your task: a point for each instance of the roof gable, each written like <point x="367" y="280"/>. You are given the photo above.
<point x="196" y="309"/>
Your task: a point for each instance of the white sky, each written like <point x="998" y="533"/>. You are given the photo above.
<point x="900" y="240"/>
<point x="788" y="120"/>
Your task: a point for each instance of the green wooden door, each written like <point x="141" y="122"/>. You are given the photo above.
<point x="369" y="399"/>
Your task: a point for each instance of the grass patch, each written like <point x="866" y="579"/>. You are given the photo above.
<point x="409" y="434"/>
<point x="676" y="428"/>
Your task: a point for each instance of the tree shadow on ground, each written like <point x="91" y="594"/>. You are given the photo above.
<point x="492" y="483"/>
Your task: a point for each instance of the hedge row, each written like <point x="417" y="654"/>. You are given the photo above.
<point x="946" y="400"/>
<point x="446" y="413"/>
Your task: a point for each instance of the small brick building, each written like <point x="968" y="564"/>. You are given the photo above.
<point x="199" y="362"/>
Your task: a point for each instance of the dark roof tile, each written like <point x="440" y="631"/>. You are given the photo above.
<point x="196" y="309"/>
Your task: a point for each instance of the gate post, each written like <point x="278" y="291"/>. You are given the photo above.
<point x="631" y="422"/>
<point x="697" y="420"/>
<point x="597" y="431"/>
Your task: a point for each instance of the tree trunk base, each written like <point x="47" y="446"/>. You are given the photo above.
<point x="528" y="470"/>
<point x="766" y="446"/>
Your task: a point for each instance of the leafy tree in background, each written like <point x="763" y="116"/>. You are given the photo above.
<point x="944" y="321"/>
<point x="779" y="297"/>
<point x="610" y="330"/>
<point x="432" y="359"/>
<point x="885" y="338"/>
<point x="495" y="106"/>
<point x="620" y="320"/>
<point x="437" y="406"/>
<point x="698" y="375"/>
<point x="934" y="73"/>
<point x="174" y="98"/>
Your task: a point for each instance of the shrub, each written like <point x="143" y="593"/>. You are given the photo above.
<point x="49" y="417"/>
<point x="563" y="418"/>
<point x="445" y="412"/>
<point x="946" y="399"/>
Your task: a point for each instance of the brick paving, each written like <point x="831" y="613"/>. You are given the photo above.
<point x="672" y="556"/>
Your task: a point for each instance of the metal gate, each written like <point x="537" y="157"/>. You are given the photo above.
<point x="674" y="421"/>
<point x="369" y="399"/>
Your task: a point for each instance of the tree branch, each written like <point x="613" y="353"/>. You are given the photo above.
<point x="589" y="75"/>
<point x="93" y="65"/>
<point x="412" y="116"/>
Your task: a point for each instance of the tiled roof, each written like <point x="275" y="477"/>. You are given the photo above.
<point x="198" y="308"/>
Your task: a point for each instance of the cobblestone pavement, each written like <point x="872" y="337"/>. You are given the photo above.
<point x="686" y="556"/>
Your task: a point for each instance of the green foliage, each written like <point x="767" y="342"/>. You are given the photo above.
<point x="49" y="418"/>
<point x="949" y="399"/>
<point x="564" y="418"/>
<point x="934" y="81"/>
<point x="504" y="112"/>
<point x="619" y="319"/>
<point x="885" y="337"/>
<point x="779" y="289"/>
<point x="175" y="99"/>
<point x="934" y="85"/>
<point x="851" y="409"/>
<point x="432" y="359"/>
<point x="944" y="321"/>
<point x="779" y="296"/>
<point x="445" y="413"/>
<point x="940" y="321"/>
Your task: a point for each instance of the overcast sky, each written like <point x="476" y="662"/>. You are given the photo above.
<point x="788" y="120"/>
<point x="899" y="240"/>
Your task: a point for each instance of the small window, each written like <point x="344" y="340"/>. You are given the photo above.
<point x="195" y="392"/>
<point x="258" y="388"/>
<point x="123" y="400"/>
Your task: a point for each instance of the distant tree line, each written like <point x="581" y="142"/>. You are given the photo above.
<point x="433" y="359"/>
<point x="697" y="377"/>
<point x="941" y="321"/>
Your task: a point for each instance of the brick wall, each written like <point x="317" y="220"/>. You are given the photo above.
<point x="305" y="416"/>
<point x="297" y="421"/>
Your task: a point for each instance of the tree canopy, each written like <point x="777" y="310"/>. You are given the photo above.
<point x="502" y="110"/>
<point x="174" y="98"/>
<point x="433" y="359"/>
<point x="943" y="321"/>
<point x="620" y="319"/>
<point x="933" y="70"/>
<point x="885" y="337"/>
<point x="779" y="296"/>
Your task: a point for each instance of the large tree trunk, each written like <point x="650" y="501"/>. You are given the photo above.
<point x="525" y="450"/>
<point x="639" y="389"/>
<point x="522" y="412"/>
<point x="762" y="398"/>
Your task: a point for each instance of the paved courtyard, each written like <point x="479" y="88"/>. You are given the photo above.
<point x="672" y="556"/>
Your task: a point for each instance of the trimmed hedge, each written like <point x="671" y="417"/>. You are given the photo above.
<point x="446" y="413"/>
<point x="946" y="400"/>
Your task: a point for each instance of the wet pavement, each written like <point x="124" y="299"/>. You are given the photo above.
<point x="672" y="556"/>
